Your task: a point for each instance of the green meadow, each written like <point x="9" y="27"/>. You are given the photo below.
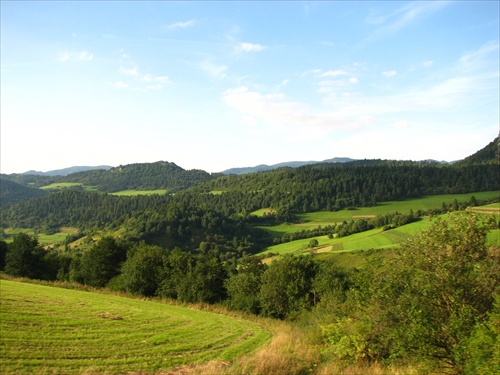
<point x="50" y="330"/>
<point x="368" y="240"/>
<point x="314" y="219"/>
<point x="139" y="192"/>
<point x="66" y="185"/>
<point x="403" y="206"/>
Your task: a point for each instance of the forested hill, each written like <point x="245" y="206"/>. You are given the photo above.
<point x="11" y="192"/>
<point x="321" y="187"/>
<point x="335" y="186"/>
<point x="139" y="176"/>
<point x="488" y="155"/>
<point x="143" y="176"/>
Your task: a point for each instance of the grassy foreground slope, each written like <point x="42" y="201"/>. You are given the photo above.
<point x="62" y="331"/>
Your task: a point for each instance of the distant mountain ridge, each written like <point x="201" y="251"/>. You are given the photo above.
<point x="291" y="164"/>
<point x="67" y="171"/>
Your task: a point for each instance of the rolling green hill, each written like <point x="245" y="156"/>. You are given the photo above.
<point x="487" y="155"/>
<point x="12" y="192"/>
<point x="139" y="176"/>
<point x="53" y="330"/>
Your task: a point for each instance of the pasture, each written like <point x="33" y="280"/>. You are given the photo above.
<point x="129" y="193"/>
<point x="403" y="206"/>
<point x="67" y="185"/>
<point x="372" y="239"/>
<point x="49" y="330"/>
<point x="312" y="220"/>
<point x="54" y="239"/>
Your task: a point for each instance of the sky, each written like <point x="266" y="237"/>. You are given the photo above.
<point x="216" y="85"/>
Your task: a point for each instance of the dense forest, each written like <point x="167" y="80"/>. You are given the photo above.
<point x="432" y="302"/>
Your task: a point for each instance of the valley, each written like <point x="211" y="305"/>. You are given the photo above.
<point x="318" y="251"/>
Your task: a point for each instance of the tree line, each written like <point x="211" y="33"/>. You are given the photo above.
<point x="320" y="187"/>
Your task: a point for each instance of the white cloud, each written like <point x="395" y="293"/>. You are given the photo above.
<point x="276" y="110"/>
<point x="85" y="56"/>
<point x="389" y="73"/>
<point x="75" y="56"/>
<point x="158" y="79"/>
<point x="153" y="82"/>
<point x="120" y="85"/>
<point x="182" y="25"/>
<point x="217" y="71"/>
<point x="464" y="85"/>
<point x="249" y="47"/>
<point x="128" y="72"/>
<point x="334" y="73"/>
<point x="63" y="57"/>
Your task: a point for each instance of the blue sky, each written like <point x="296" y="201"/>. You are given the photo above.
<point x="215" y="85"/>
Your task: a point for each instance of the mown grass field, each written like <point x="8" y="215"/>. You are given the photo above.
<point x="368" y="240"/>
<point x="403" y="206"/>
<point x="313" y="219"/>
<point x="66" y="185"/>
<point x="58" y="238"/>
<point x="49" y="330"/>
<point x="139" y="192"/>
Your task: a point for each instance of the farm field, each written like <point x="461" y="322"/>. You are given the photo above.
<point x="65" y="185"/>
<point x="139" y="192"/>
<point x="371" y="239"/>
<point x="404" y="206"/>
<point x="313" y="219"/>
<point x="62" y="331"/>
<point x="58" y="238"/>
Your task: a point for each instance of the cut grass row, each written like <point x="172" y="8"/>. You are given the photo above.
<point x="52" y="330"/>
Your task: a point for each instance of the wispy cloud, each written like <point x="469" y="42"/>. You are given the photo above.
<point x="249" y="47"/>
<point x="465" y="84"/>
<point x="120" y="85"/>
<point x="403" y="16"/>
<point x="276" y="110"/>
<point x="64" y="56"/>
<point x="333" y="82"/>
<point x="334" y="73"/>
<point x="474" y="59"/>
<point x="181" y="24"/>
<point x="217" y="71"/>
<point x="152" y="82"/>
<point x="75" y="56"/>
<point x="389" y="73"/>
<point x="128" y="72"/>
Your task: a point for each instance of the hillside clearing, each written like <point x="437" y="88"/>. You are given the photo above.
<point x="53" y="330"/>
<point x="130" y="193"/>
<point x="371" y="239"/>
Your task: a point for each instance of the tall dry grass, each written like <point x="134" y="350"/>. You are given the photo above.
<point x="366" y="369"/>
<point x="289" y="352"/>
